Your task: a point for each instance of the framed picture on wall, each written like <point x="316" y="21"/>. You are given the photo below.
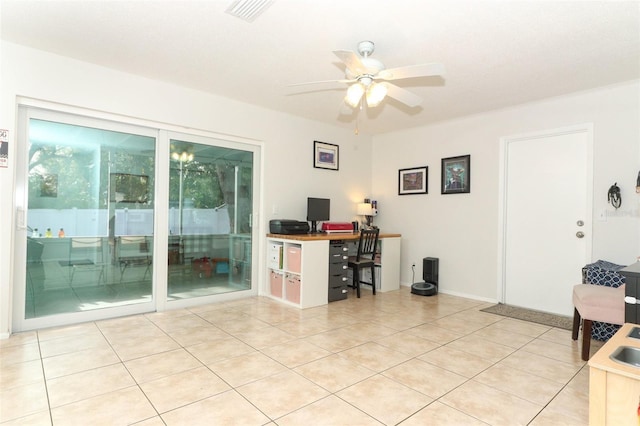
<point x="325" y="155"/>
<point x="413" y="181"/>
<point x="456" y="177"/>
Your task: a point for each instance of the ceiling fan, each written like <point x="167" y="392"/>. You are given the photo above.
<point x="368" y="77"/>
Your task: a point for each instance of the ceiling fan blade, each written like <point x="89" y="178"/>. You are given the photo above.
<point x="324" y="82"/>
<point x="411" y="71"/>
<point x="402" y="95"/>
<point x="352" y="61"/>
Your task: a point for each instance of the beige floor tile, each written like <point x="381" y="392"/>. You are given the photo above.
<point x="144" y="346"/>
<point x="334" y="372"/>
<point x="292" y="361"/>
<point x="408" y="343"/>
<point x="264" y="337"/>
<point x="491" y="405"/>
<point x="247" y="368"/>
<point x="541" y="366"/>
<point x="572" y="403"/>
<point x="384" y="399"/>
<point x="527" y="386"/>
<point x="328" y="411"/>
<point x="549" y="418"/>
<point x="121" y="407"/>
<point x="227" y="408"/>
<point x="435" y="334"/>
<point x="425" y="378"/>
<point x="282" y="394"/>
<point x="195" y="335"/>
<point x="86" y="384"/>
<point x="19" y="339"/>
<point x="217" y="350"/>
<point x="503" y="336"/>
<point x="370" y="330"/>
<point x="522" y="327"/>
<point x="295" y="353"/>
<point x="160" y="365"/>
<point x="336" y="340"/>
<point x="567" y="353"/>
<point x="21" y="374"/>
<point x="154" y="421"/>
<point x="19" y="353"/>
<point x="187" y="387"/>
<point x="458" y="325"/>
<point x="75" y="362"/>
<point x="186" y="321"/>
<point x="482" y="348"/>
<point x="437" y="414"/>
<point x="456" y="361"/>
<point x="67" y="331"/>
<point x="375" y="356"/>
<point x="42" y="418"/>
<point x="305" y="327"/>
<point x="68" y="344"/>
<point x="21" y="401"/>
<point x="558" y="335"/>
<point x="244" y="325"/>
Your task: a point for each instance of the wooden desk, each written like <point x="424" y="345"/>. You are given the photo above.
<point x="314" y="264"/>
<point x="614" y="388"/>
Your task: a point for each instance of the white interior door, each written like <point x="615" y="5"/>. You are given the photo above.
<point x="547" y="220"/>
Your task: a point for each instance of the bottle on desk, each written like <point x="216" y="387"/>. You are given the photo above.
<point x="35" y="234"/>
<point x="61" y="233"/>
<point x="48" y="233"/>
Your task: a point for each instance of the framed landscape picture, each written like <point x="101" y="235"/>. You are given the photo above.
<point x="325" y="155"/>
<point x="413" y="181"/>
<point x="456" y="175"/>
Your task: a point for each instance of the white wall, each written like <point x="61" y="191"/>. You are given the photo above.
<point x="289" y="176"/>
<point x="462" y="229"/>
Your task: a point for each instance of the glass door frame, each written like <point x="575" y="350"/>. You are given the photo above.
<point x="162" y="133"/>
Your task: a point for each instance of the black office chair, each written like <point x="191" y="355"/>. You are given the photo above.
<point x="365" y="258"/>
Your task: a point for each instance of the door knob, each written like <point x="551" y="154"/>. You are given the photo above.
<point x="580" y="234"/>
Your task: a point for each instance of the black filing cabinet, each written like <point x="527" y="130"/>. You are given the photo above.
<point x="338" y="266"/>
<point x="632" y="293"/>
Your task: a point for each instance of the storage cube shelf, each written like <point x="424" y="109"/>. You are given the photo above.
<point x="297" y="275"/>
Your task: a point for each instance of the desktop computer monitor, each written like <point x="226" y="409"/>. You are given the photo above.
<point x="317" y="210"/>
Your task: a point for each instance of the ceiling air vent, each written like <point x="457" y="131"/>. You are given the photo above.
<point x="248" y="9"/>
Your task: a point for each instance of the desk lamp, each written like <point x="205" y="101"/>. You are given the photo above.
<point x="366" y="210"/>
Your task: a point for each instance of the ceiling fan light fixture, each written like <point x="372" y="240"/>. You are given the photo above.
<point x="376" y="93"/>
<point x="354" y="94"/>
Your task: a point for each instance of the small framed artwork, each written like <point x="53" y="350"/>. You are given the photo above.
<point x="456" y="177"/>
<point x="325" y="155"/>
<point x="413" y="181"/>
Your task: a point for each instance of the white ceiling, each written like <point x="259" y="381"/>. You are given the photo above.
<point x="496" y="53"/>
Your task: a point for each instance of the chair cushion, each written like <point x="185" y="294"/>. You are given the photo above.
<point x="599" y="303"/>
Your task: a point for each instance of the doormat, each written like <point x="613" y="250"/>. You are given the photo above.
<point x="75" y="262"/>
<point x="530" y="315"/>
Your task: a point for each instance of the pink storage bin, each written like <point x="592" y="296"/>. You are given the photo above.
<point x="275" y="281"/>
<point x="292" y="292"/>
<point x="294" y="258"/>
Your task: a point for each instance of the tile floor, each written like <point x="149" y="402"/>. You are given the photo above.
<point x="393" y="358"/>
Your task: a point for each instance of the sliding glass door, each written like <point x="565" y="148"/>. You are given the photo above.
<point x="210" y="205"/>
<point x="115" y="219"/>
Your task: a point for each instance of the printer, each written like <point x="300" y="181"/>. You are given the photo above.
<point x="288" y="227"/>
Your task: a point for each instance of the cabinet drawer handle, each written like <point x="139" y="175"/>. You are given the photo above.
<point x="345" y="267"/>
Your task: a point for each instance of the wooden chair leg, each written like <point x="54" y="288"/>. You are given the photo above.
<point x="356" y="280"/>
<point x="373" y="278"/>
<point x="576" y="324"/>
<point x="586" y="338"/>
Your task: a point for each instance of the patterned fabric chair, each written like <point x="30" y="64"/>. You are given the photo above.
<point x="595" y="303"/>
<point x="606" y="274"/>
